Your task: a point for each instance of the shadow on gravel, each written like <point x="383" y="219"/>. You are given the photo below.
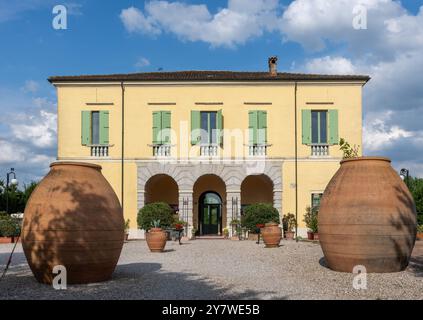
<point x="416" y="261"/>
<point x="129" y="281"/>
<point x="18" y="258"/>
<point x="323" y="263"/>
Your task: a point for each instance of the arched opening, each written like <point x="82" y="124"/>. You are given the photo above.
<point x="256" y="189"/>
<point x="209" y="205"/>
<point x="162" y="188"/>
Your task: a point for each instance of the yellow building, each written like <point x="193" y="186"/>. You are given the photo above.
<point x="210" y="142"/>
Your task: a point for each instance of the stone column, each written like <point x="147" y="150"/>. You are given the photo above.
<point x="233" y="208"/>
<point x="277" y="202"/>
<point x="186" y="210"/>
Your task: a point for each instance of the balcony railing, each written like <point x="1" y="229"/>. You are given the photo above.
<point x="162" y="150"/>
<point x="257" y="150"/>
<point x="99" y="151"/>
<point x="319" y="150"/>
<point x="209" y="150"/>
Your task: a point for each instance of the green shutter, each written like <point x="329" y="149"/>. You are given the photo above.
<point x="333" y="127"/>
<point x="104" y="127"/>
<point x="166" y="126"/>
<point x="195" y="127"/>
<point x="252" y="127"/>
<point x="262" y="127"/>
<point x="219" y="127"/>
<point x="157" y="127"/>
<point x="86" y="128"/>
<point x="306" y="126"/>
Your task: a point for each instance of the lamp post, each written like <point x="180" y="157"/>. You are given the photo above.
<point x="12" y="182"/>
<point x="405" y="174"/>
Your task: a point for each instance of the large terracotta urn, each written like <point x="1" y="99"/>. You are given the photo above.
<point x="74" y="219"/>
<point x="272" y="235"/>
<point x="367" y="217"/>
<point x="156" y="239"/>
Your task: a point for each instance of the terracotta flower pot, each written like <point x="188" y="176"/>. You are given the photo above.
<point x="420" y="236"/>
<point x="367" y="217"/>
<point x="310" y="235"/>
<point x="73" y="218"/>
<point x="289" y="235"/>
<point x="156" y="239"/>
<point x="272" y="235"/>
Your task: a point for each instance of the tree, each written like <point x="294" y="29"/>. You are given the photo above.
<point x="17" y="198"/>
<point x="416" y="188"/>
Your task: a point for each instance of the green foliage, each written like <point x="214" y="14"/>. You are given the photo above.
<point x="348" y="150"/>
<point x="127" y="223"/>
<point x="310" y="219"/>
<point x="420" y="228"/>
<point x="17" y="198"/>
<point x="289" y="222"/>
<point x="155" y="211"/>
<point x="416" y="188"/>
<point x="9" y="227"/>
<point x="259" y="213"/>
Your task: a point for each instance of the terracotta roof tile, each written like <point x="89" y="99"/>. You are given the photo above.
<point x="208" y="76"/>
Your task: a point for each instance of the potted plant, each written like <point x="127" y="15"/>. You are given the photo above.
<point x="420" y="232"/>
<point x="193" y="232"/>
<point x="127" y="223"/>
<point x="291" y="223"/>
<point x="10" y="229"/>
<point x="226" y="233"/>
<point x="153" y="218"/>
<point x="258" y="214"/>
<point x="311" y="221"/>
<point x="235" y="225"/>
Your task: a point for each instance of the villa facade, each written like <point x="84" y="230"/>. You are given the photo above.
<point x="211" y="142"/>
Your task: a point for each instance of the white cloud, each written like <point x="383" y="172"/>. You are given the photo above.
<point x="134" y="21"/>
<point x="10" y="152"/>
<point x="378" y="135"/>
<point x="39" y="131"/>
<point x="330" y="65"/>
<point x="142" y="62"/>
<point x="315" y="23"/>
<point x="31" y="86"/>
<point x="230" y="26"/>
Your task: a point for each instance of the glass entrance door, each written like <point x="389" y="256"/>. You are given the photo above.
<point x="211" y="214"/>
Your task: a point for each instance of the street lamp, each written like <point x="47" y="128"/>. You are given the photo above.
<point x="404" y="174"/>
<point x="13" y="182"/>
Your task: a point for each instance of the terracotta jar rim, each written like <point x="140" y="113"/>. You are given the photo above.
<point x="367" y="159"/>
<point x="74" y="163"/>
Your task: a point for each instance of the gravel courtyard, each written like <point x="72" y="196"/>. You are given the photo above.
<point x="220" y="269"/>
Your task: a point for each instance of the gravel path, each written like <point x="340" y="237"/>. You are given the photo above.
<point x="220" y="269"/>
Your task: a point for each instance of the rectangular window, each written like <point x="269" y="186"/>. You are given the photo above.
<point x="95" y="127"/>
<point x="315" y="200"/>
<point x="208" y="127"/>
<point x="319" y="127"/>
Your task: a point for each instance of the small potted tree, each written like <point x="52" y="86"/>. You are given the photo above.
<point x="310" y="219"/>
<point x="235" y="225"/>
<point x="226" y="233"/>
<point x="420" y="232"/>
<point x="291" y="223"/>
<point x="10" y="229"/>
<point x="193" y="233"/>
<point x="256" y="216"/>
<point x="127" y="224"/>
<point x="153" y="218"/>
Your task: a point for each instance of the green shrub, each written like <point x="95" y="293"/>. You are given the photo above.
<point x="154" y="212"/>
<point x="311" y="220"/>
<point x="420" y="228"/>
<point x="259" y="213"/>
<point x="289" y="222"/>
<point x="9" y="227"/>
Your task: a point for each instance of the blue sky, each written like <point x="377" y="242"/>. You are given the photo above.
<point x="131" y="36"/>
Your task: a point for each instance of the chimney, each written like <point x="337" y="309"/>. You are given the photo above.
<point x="273" y="66"/>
